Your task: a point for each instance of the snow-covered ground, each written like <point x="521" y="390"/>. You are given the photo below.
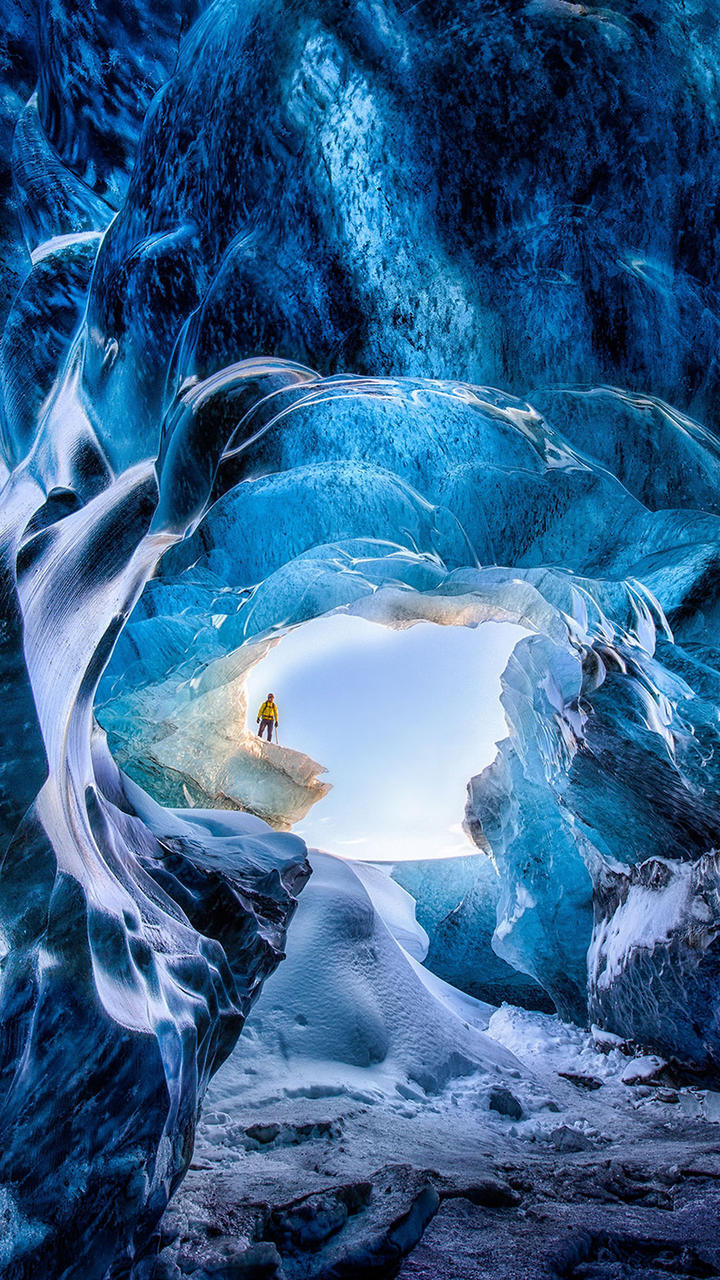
<point x="371" y="1113"/>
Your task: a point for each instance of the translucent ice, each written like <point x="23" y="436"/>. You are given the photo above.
<point x="262" y="267"/>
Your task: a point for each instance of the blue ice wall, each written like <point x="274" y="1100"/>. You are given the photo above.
<point x="406" y="310"/>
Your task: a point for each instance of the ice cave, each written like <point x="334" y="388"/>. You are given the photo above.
<point x="367" y="353"/>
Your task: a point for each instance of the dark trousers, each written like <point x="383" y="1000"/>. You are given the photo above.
<point x="266" y="723"/>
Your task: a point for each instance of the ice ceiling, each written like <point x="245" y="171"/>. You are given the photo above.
<point x="264" y="266"/>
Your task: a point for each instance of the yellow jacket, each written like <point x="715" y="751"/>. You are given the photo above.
<point x="268" y="711"/>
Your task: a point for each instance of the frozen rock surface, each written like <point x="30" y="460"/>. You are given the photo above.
<point x="610" y="1183"/>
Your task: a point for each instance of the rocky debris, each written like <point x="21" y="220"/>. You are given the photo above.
<point x="565" y="1138"/>
<point x="352" y="1228"/>
<point x="368" y="1228"/>
<point x="639" y="1183"/>
<point x="705" y="1166"/>
<point x="260" y="1136"/>
<point x="601" y="1256"/>
<point x="505" y="1103"/>
<point x="519" y="1203"/>
<point x="612" y="1220"/>
<point x="646" y="1070"/>
<point x="492" y="1193"/>
<point x="607" y="1041"/>
<point x="582" y="1081"/>
<point x="308" y="1222"/>
<point x="226" y="1259"/>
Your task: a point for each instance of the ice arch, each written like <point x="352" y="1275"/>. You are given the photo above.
<point x="401" y="719"/>
<point x="611" y="720"/>
<point x="582" y="632"/>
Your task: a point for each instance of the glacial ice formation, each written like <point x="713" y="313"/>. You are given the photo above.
<point x="134" y="943"/>
<point x="263" y="266"/>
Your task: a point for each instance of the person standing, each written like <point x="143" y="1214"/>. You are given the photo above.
<point x="268" y="717"/>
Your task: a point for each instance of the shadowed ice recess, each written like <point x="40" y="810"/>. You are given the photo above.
<point x="406" y="316"/>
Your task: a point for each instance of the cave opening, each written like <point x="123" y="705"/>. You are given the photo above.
<point x="400" y="717"/>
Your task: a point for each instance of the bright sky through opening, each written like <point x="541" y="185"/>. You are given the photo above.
<point x="400" y="719"/>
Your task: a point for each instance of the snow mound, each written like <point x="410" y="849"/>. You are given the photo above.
<point x="351" y="1010"/>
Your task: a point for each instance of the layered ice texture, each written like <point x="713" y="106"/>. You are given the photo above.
<point x="268" y="263"/>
